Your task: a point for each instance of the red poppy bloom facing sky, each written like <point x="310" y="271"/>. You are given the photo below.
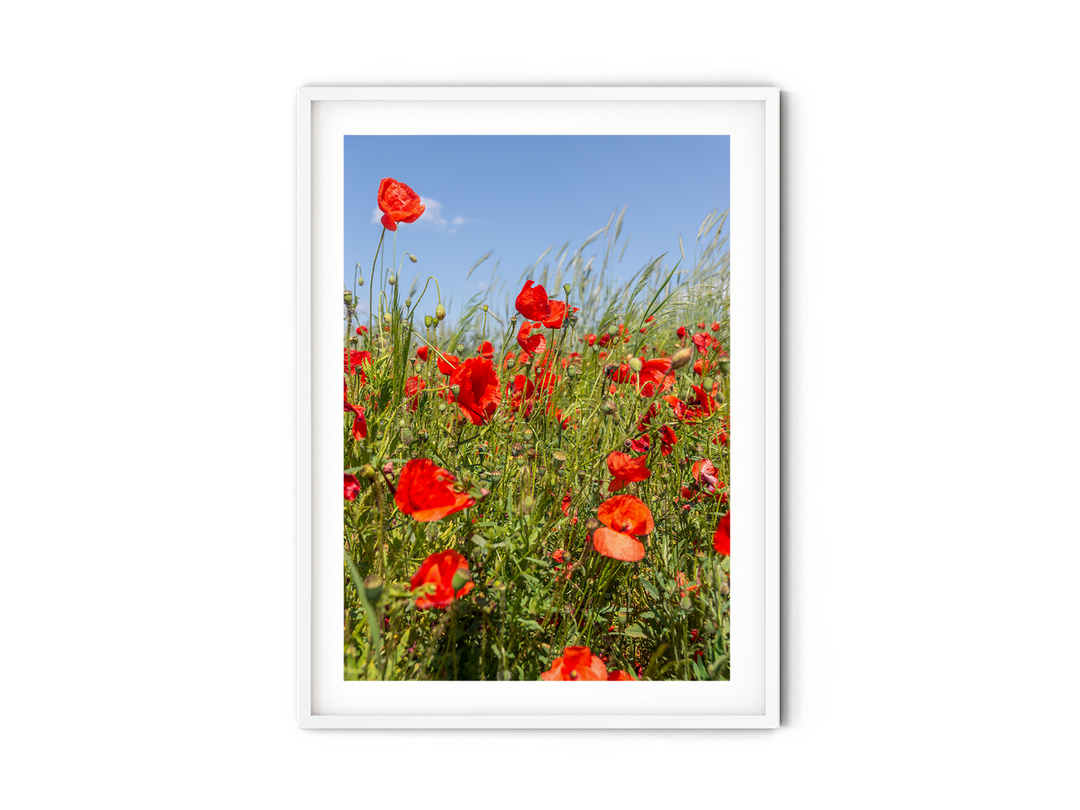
<point x="399" y="203"/>
<point x="426" y="491"/>
<point x="576" y="664"/>
<point x="478" y="389"/>
<point x="439" y="570"/>
<point x="533" y="302"/>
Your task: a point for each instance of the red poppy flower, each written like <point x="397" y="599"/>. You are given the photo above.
<point x="520" y="390"/>
<point x="721" y="540"/>
<point x="413" y="387"/>
<point x="557" y="555"/>
<point x="352" y="486"/>
<point x="355" y="359"/>
<point x="478" y="389"/>
<point x="699" y="407"/>
<point x="439" y="569"/>
<point x="655" y="372"/>
<point x="576" y="664"/>
<point x="359" y="425"/>
<point x="625" y="469"/>
<point x="681" y="331"/>
<point x="701" y="325"/>
<point x="641" y="444"/>
<point x="399" y="203"/>
<point x="716" y="326"/>
<point x="558" y="312"/>
<point x="422" y="353"/>
<point x="668" y="440"/>
<point x="703" y="340"/>
<point x="533" y="302"/>
<point x="617" y="545"/>
<point x="426" y="491"/>
<point x="486" y="350"/>
<point x="625" y="513"/>
<point x="447" y="363"/>
<point x="532" y="344"/>
<point x="620" y="675"/>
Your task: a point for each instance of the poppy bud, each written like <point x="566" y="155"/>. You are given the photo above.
<point x="527" y="505"/>
<point x="348" y="298"/>
<point x="635" y="364"/>
<point x="440" y="312"/>
<point x="411" y="257"/>
<point x="442" y="407"/>
<point x="513" y="321"/>
<point x="591" y="525"/>
<point x="484" y="307"/>
<point x="708" y="383"/>
<point x="367" y="471"/>
<point x="361" y="281"/>
<point x="386" y="317"/>
<point x="572" y="371"/>
<point x="461" y="576"/>
<point x="725" y="366"/>
<point x="391" y="279"/>
<point x="609" y="407"/>
<point x="408" y="302"/>
<point x="681" y="357"/>
<point x="429" y="321"/>
<point x="566" y="288"/>
<point x="373" y="588"/>
<point x="613" y="330"/>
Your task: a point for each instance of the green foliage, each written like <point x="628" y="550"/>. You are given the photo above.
<point x="539" y="482"/>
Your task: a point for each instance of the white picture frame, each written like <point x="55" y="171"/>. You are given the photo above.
<point x="752" y="117"/>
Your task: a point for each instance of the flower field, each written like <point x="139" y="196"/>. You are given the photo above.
<point x="538" y="490"/>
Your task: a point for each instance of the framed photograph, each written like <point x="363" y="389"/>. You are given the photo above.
<point x="532" y="298"/>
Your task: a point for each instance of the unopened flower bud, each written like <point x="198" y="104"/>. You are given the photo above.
<point x="725" y="365"/>
<point x="367" y="471"/>
<point x="591" y="525"/>
<point x="373" y="588"/>
<point x="707" y="383"/>
<point x="681" y="357"/>
<point x="360" y="281"/>
<point x="411" y="257"/>
<point x="391" y="279"/>
<point x="408" y="302"/>
<point x="613" y="330"/>
<point x="461" y="578"/>
<point x="442" y="407"/>
<point x="609" y="407"/>
<point x="440" y="312"/>
<point x="429" y="321"/>
<point x="566" y="288"/>
<point x="386" y="317"/>
<point x="348" y="298"/>
<point x="484" y="307"/>
<point x="635" y="364"/>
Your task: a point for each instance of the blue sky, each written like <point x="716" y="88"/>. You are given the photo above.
<point x="516" y="196"/>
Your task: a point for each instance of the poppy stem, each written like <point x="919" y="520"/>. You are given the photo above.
<point x="371" y="291"/>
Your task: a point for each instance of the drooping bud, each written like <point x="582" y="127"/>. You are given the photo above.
<point x="681" y="357"/>
<point x="391" y="279"/>
<point x="411" y="257"/>
<point x="440" y="312"/>
<point x="361" y="281"/>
